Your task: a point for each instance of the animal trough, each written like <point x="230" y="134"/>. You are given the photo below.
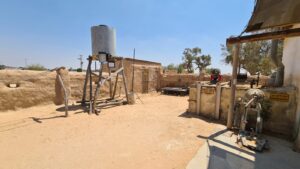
<point x="179" y="91"/>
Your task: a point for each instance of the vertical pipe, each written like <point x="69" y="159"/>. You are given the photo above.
<point x="236" y="50"/>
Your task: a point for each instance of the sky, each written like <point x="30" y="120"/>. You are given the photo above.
<point x="55" y="32"/>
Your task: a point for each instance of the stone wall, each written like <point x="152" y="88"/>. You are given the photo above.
<point x="146" y="74"/>
<point x="280" y="120"/>
<point x="186" y="80"/>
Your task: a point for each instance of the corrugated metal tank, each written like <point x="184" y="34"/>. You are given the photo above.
<point x="103" y="40"/>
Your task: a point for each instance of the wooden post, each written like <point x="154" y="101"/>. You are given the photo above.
<point x="115" y="87"/>
<point x="236" y="51"/>
<point x="218" y="99"/>
<point x="124" y="81"/>
<point x="198" y="100"/>
<point x="86" y="80"/>
<point x="110" y="82"/>
<point x="65" y="94"/>
<point x="97" y="91"/>
<point x="91" y="85"/>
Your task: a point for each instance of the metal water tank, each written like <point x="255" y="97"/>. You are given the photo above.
<point x="103" y="40"/>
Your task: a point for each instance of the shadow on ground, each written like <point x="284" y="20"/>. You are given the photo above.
<point x="224" y="153"/>
<point x="206" y="119"/>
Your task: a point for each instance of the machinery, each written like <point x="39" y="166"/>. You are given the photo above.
<point x="248" y="136"/>
<point x="103" y="51"/>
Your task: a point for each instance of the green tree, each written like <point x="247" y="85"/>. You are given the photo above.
<point x="254" y="57"/>
<point x="202" y="62"/>
<point x="188" y="58"/>
<point x="180" y="68"/>
<point x="209" y="70"/>
<point x="37" y="67"/>
<point x="171" y="67"/>
<point x="2" y="67"/>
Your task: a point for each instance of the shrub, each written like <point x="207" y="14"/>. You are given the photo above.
<point x="36" y="67"/>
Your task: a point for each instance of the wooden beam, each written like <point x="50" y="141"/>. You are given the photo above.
<point x="264" y="36"/>
<point x="236" y="52"/>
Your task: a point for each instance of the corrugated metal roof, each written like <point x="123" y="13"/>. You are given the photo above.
<point x="274" y="13"/>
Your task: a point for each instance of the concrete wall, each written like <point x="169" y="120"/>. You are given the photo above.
<point x="291" y="60"/>
<point x="280" y="120"/>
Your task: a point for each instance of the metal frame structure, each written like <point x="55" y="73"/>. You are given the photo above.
<point x="93" y="101"/>
<point x="236" y="42"/>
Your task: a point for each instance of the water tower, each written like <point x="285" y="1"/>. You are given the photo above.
<point x="103" y="51"/>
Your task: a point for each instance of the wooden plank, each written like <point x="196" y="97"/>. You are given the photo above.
<point x="264" y="36"/>
<point x="281" y="97"/>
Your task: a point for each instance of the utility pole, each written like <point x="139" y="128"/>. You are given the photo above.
<point x="132" y="84"/>
<point x="25" y="62"/>
<point x="81" y="61"/>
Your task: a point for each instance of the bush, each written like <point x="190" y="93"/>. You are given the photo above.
<point x="36" y="67"/>
<point x="79" y="70"/>
<point x="2" y="67"/>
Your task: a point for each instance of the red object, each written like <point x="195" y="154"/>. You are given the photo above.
<point x="219" y="78"/>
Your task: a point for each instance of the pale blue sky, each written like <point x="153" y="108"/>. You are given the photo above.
<point x="55" y="32"/>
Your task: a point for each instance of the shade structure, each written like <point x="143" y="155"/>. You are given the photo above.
<point x="274" y="13"/>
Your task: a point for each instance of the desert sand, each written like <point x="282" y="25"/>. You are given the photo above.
<point x="155" y="134"/>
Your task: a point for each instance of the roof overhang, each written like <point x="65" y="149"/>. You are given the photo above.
<point x="276" y="16"/>
<point x="274" y="13"/>
<point x="264" y="36"/>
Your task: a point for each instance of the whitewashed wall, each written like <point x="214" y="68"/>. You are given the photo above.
<point x="291" y="61"/>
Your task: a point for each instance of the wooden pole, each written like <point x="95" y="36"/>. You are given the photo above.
<point x="66" y="95"/>
<point x="218" y="100"/>
<point x="110" y="82"/>
<point x="91" y="86"/>
<point x="86" y="80"/>
<point x="236" y="51"/>
<point x="115" y="87"/>
<point x="97" y="91"/>
<point x="198" y="102"/>
<point x="124" y="81"/>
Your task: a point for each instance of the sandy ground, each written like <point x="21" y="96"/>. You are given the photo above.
<point x="153" y="135"/>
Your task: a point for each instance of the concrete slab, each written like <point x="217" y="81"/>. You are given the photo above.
<point x="221" y="152"/>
